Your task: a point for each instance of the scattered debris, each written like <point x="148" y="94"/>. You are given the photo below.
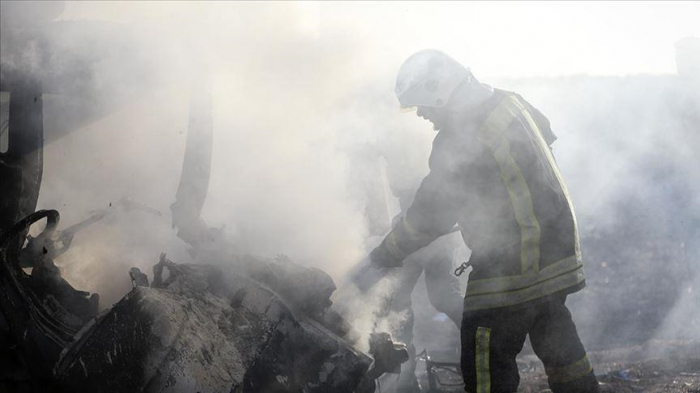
<point x="243" y="324"/>
<point x="657" y="367"/>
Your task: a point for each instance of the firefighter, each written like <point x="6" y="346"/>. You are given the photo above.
<point x="492" y="173"/>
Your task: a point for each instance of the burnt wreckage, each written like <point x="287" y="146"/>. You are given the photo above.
<point x="246" y="324"/>
<point x="228" y="323"/>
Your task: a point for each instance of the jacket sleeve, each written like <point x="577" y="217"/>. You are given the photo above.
<point x="432" y="214"/>
<point x="542" y="122"/>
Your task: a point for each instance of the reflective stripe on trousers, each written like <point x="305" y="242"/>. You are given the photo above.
<point x="483" y="370"/>
<point x="574" y="371"/>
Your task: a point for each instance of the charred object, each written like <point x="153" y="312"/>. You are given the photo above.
<point x="217" y="327"/>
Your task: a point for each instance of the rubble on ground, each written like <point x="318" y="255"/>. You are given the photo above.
<point x="208" y="330"/>
<point x="658" y="366"/>
<point x="238" y="324"/>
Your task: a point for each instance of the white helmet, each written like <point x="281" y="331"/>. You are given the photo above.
<point x="428" y="78"/>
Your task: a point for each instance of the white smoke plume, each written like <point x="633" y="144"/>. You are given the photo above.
<point x="301" y="92"/>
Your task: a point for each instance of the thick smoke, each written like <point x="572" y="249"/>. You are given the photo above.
<point x="305" y="120"/>
<point x="278" y="184"/>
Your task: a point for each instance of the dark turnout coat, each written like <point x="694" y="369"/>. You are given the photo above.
<point x="492" y="173"/>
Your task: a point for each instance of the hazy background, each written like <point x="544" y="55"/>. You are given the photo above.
<point x="301" y="90"/>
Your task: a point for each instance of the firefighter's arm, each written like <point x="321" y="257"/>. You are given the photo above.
<point x="542" y="122"/>
<point x="431" y="215"/>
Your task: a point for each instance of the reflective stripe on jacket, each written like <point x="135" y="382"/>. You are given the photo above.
<point x="493" y="173"/>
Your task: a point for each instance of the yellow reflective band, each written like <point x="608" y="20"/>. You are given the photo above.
<point x="547" y="152"/>
<point x="532" y="283"/>
<point x="483" y="370"/>
<point x="406" y="109"/>
<point x="409" y="230"/>
<point x="511" y="283"/>
<point x="491" y="133"/>
<point x="536" y="291"/>
<point x="569" y="373"/>
<point x="392" y="246"/>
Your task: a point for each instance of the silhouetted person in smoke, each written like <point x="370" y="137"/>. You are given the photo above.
<point x="492" y="173"/>
<point x="435" y="262"/>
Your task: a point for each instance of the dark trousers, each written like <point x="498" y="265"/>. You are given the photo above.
<point x="491" y="339"/>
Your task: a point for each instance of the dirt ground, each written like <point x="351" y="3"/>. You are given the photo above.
<point x="655" y="367"/>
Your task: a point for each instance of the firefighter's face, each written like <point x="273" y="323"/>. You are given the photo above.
<point x="433" y="115"/>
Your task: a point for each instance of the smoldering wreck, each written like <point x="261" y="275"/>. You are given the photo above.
<point x="235" y="322"/>
<point x="229" y="322"/>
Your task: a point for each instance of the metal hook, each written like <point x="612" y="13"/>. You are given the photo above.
<point x="461" y="268"/>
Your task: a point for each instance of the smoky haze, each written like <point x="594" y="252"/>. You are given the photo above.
<point x="303" y="94"/>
